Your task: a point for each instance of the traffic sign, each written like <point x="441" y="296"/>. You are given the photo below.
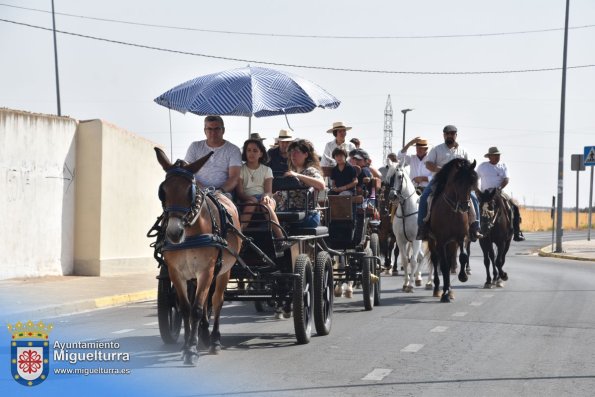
<point x="589" y="155"/>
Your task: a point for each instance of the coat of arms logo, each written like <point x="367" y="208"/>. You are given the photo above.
<point x="29" y="348"/>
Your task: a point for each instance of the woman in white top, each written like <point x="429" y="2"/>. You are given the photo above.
<point x="256" y="183"/>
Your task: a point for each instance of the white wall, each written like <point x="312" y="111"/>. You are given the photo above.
<point x="37" y="188"/>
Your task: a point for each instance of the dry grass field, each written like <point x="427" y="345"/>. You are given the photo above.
<point x="539" y="220"/>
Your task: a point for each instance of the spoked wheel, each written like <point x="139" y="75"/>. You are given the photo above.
<point x="168" y="312"/>
<point x="367" y="285"/>
<point x="323" y="293"/>
<point x="375" y="246"/>
<point x="303" y="289"/>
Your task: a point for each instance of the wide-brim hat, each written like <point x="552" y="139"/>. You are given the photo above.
<point x="492" y="150"/>
<point x="256" y="136"/>
<point x="422" y="143"/>
<point x="338" y="125"/>
<point x="284" y="136"/>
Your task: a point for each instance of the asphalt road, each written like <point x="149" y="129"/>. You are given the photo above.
<point x="534" y="337"/>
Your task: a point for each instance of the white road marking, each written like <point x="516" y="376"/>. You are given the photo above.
<point x="440" y="328"/>
<point x="475" y="303"/>
<point x="377" y="374"/>
<point x="412" y="348"/>
<point x="123" y="331"/>
<point x="151" y="324"/>
<point x="459" y="314"/>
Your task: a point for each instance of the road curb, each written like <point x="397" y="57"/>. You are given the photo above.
<point x="79" y="306"/>
<point x="562" y="255"/>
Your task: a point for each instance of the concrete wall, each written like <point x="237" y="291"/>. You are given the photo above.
<point x="116" y="200"/>
<point x="75" y="197"/>
<point x="37" y="187"/>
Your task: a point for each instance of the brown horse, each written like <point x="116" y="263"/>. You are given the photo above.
<point x="449" y="221"/>
<point x="201" y="242"/>
<point x="496" y="227"/>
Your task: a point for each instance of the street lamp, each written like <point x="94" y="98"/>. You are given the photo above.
<point x="404" y="111"/>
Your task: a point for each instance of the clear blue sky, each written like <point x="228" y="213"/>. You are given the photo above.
<point x="518" y="112"/>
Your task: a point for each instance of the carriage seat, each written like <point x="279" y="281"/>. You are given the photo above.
<point x="309" y="231"/>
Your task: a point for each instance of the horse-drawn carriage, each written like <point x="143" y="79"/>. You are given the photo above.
<point x="353" y="240"/>
<point x="293" y="273"/>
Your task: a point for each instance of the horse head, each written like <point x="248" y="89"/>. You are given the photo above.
<point x="487" y="206"/>
<point x="180" y="198"/>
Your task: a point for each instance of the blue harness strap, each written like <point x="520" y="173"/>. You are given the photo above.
<point x="198" y="241"/>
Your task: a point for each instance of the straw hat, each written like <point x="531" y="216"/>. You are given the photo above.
<point x="492" y="150"/>
<point x="338" y="125"/>
<point x="256" y="136"/>
<point x="422" y="142"/>
<point x="284" y="136"/>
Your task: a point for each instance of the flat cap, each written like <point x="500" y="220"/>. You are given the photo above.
<point x="450" y="128"/>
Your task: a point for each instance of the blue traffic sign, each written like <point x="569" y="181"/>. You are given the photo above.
<point x="589" y="155"/>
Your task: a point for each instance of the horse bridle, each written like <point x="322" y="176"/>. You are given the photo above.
<point x="399" y="195"/>
<point x="196" y="197"/>
<point x="456" y="205"/>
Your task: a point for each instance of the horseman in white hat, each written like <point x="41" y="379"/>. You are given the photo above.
<point x="494" y="175"/>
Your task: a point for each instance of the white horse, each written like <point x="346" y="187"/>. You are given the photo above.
<point x="405" y="225"/>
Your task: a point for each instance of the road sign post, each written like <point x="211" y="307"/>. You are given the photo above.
<point x="577" y="163"/>
<point x="589" y="160"/>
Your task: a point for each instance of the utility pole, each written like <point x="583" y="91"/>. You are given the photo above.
<point x="387" y="146"/>
<point x="561" y="144"/>
<point x="56" y="60"/>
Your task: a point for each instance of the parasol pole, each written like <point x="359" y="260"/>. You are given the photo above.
<point x="287" y="121"/>
<point x="249" y="126"/>
<point x="171" y="144"/>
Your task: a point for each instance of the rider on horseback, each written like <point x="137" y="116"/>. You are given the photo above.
<point x="436" y="159"/>
<point x="494" y="175"/>
<point x="418" y="172"/>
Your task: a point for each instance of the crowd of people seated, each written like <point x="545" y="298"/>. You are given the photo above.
<point x="247" y="175"/>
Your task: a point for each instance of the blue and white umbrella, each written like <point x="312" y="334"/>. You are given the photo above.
<point x="248" y="91"/>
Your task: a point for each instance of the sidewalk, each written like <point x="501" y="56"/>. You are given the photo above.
<point x="581" y="250"/>
<point x="44" y="297"/>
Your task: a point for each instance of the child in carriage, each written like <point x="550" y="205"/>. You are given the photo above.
<point x="343" y="176"/>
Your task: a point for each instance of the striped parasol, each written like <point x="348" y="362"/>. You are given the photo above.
<point x="248" y="91"/>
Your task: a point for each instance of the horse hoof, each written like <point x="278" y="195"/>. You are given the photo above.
<point x="504" y="276"/>
<point x="487" y="285"/>
<point x="437" y="294"/>
<point x="463" y="277"/>
<point x="404" y="288"/>
<point x="445" y="298"/>
<point x="500" y="284"/>
<point x="429" y="286"/>
<point x="451" y="295"/>
<point x="418" y="283"/>
<point x="190" y="356"/>
<point x="409" y="289"/>
<point x="215" y="348"/>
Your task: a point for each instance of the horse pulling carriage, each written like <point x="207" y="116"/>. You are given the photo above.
<point x="199" y="250"/>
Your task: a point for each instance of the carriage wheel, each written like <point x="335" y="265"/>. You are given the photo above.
<point x="367" y="284"/>
<point x="303" y="289"/>
<point x="323" y="293"/>
<point x="375" y="245"/>
<point x="168" y="312"/>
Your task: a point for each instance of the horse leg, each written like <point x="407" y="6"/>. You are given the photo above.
<point x="503" y="274"/>
<point x="396" y="260"/>
<point x="435" y="258"/>
<point x="404" y="261"/>
<point x="468" y="250"/>
<point x="203" y="325"/>
<point x="221" y="283"/>
<point x="464" y="262"/>
<point x="484" y="243"/>
<point x="494" y="266"/>
<point x="445" y="267"/>
<point x="189" y="354"/>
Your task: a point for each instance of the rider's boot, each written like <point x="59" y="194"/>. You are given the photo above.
<point x="474" y="232"/>
<point x="423" y="231"/>
<point x="516" y="225"/>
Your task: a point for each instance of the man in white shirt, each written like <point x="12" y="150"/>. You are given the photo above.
<point x="436" y="159"/>
<point x="418" y="172"/>
<point x="222" y="170"/>
<point x="339" y="130"/>
<point x="494" y="175"/>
